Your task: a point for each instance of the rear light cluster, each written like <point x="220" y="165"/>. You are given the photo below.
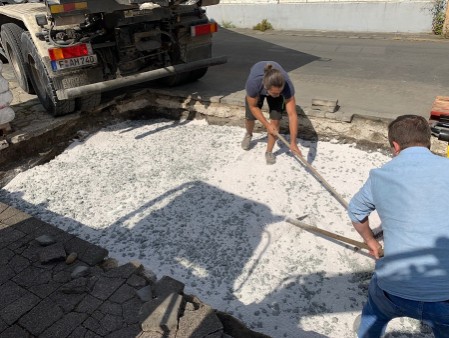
<point x="70" y="7"/>
<point x="69" y="53"/>
<point x="208" y="28"/>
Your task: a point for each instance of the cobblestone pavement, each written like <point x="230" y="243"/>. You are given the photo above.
<point x="53" y="284"/>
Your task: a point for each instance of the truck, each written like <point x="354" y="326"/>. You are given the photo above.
<point x="69" y="52"/>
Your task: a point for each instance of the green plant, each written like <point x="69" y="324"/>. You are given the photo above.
<point x="438" y="11"/>
<point x="263" y="26"/>
<point x="227" y="24"/>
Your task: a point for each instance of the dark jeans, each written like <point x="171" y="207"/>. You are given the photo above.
<point x="276" y="107"/>
<point x="383" y="307"/>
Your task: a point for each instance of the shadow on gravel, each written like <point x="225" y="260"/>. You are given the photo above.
<point x="214" y="242"/>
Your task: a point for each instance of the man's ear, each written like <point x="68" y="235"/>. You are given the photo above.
<point x="396" y="148"/>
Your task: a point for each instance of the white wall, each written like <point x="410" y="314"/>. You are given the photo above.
<point x="335" y="15"/>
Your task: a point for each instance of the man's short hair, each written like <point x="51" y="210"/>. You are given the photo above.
<point x="409" y="131"/>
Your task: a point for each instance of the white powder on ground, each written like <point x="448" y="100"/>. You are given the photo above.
<point x="186" y="201"/>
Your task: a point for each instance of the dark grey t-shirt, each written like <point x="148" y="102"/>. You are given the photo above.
<point x="254" y="83"/>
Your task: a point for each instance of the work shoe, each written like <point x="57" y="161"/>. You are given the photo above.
<point x="246" y="141"/>
<point x="270" y="158"/>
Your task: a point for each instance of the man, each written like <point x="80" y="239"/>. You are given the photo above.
<point x="267" y="79"/>
<point x="411" y="195"/>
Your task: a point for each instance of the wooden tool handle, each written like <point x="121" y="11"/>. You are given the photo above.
<point x="360" y="245"/>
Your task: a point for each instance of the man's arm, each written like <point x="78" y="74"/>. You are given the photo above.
<point x="290" y="106"/>
<point x="367" y="234"/>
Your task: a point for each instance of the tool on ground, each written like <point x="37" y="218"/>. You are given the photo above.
<point x="357" y="244"/>
<point x="439" y="119"/>
<point x="316" y="174"/>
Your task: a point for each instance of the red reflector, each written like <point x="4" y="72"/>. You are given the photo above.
<point x="207" y="28"/>
<point x="82" y="49"/>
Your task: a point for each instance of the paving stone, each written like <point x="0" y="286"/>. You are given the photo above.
<point x="3" y="326"/>
<point x="161" y="314"/>
<point x="111" y="308"/>
<point x="67" y="301"/>
<point x="136" y="281"/>
<point x="145" y="293"/>
<point x="199" y="323"/>
<point x="16" y="309"/>
<point x="124" y="293"/>
<point x="88" y="305"/>
<point x="34" y="227"/>
<point x="5" y="256"/>
<point x="15" y="332"/>
<point x="112" y="323"/>
<point x="32" y="276"/>
<point x="90" y="334"/>
<point x="3" y="207"/>
<point x="95" y="326"/>
<point x="10" y="292"/>
<point x="105" y="287"/>
<point x="19" y="263"/>
<point x="167" y="285"/>
<point x="44" y="290"/>
<point x="87" y="252"/>
<point x="63" y="327"/>
<point x="9" y="236"/>
<point x="15" y="218"/>
<point x="6" y="273"/>
<point x="79" y="332"/>
<point x="131" y="310"/>
<point x="79" y="285"/>
<point x="52" y="253"/>
<point x="30" y="252"/>
<point x="130" y="331"/>
<point x="7" y="213"/>
<point x="125" y="270"/>
<point x="62" y="276"/>
<point x="42" y="316"/>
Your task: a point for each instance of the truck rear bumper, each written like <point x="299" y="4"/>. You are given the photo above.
<point x="99" y="87"/>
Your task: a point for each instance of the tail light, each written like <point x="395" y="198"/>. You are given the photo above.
<point x="204" y="29"/>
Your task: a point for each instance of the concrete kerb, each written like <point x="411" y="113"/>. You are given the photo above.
<point x="46" y="139"/>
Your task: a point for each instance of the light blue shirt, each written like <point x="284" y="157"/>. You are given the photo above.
<point x="411" y="196"/>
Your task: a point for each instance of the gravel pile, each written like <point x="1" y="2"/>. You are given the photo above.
<point x="186" y="201"/>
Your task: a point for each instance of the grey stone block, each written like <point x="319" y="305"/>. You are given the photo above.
<point x="19" y="263"/>
<point x="42" y="316"/>
<point x="88" y="305"/>
<point x="10" y="292"/>
<point x="136" y="281"/>
<point x="131" y="310"/>
<point x="199" y="323"/>
<point x="5" y="256"/>
<point x="63" y="327"/>
<point x="111" y="308"/>
<point x="52" y="253"/>
<point x="9" y="236"/>
<point x="67" y="302"/>
<point x="45" y="289"/>
<point x="45" y="240"/>
<point x="14" y="332"/>
<point x="145" y="293"/>
<point x="167" y="285"/>
<point x="32" y="276"/>
<point x="16" y="309"/>
<point x="89" y="253"/>
<point x="6" y="273"/>
<point x="95" y="326"/>
<point x="125" y="270"/>
<point x="124" y="293"/>
<point x="161" y="314"/>
<point x="79" y="271"/>
<point x="105" y="287"/>
<point x="79" y="285"/>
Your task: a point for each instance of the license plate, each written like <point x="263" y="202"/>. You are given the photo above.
<point x="74" y="62"/>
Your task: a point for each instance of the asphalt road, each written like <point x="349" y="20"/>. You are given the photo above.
<point x="371" y="75"/>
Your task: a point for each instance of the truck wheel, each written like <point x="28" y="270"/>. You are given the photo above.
<point x="10" y="34"/>
<point x="42" y="83"/>
<point x="197" y="74"/>
<point x="88" y="103"/>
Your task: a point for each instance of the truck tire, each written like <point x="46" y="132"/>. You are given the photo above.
<point x="87" y="103"/>
<point x="10" y="34"/>
<point x="197" y="74"/>
<point x="42" y="83"/>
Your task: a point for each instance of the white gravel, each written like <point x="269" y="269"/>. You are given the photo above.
<point x="188" y="202"/>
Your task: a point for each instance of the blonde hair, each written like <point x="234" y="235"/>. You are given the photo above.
<point x="272" y="77"/>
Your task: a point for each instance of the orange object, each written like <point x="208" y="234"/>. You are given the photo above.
<point x="440" y="107"/>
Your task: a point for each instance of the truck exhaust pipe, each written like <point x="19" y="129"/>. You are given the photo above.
<point x="99" y="87"/>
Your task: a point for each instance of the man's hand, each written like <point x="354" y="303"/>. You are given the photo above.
<point x="272" y="129"/>
<point x="375" y="248"/>
<point x="294" y="148"/>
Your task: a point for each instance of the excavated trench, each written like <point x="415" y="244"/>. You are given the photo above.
<point x="38" y="144"/>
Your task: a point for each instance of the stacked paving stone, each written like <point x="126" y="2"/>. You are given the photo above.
<point x="53" y="284"/>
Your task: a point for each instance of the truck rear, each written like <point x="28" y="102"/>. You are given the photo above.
<point x="68" y="52"/>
